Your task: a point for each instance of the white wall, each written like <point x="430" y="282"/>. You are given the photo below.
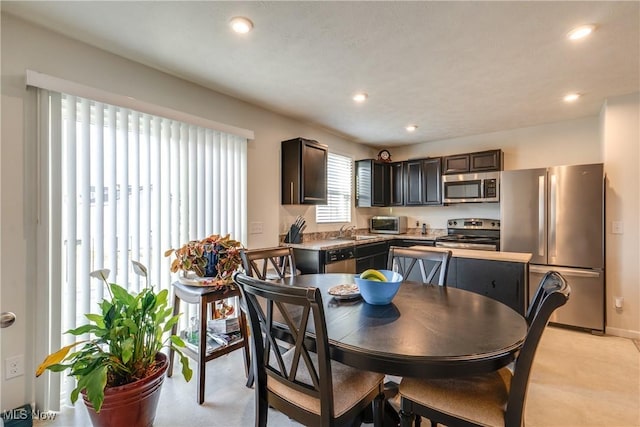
<point x="27" y="47"/>
<point x="621" y="136"/>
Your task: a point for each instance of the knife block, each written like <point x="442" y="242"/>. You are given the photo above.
<point x="293" y="236"/>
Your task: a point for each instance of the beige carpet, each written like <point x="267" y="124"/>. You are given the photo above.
<point x="580" y="379"/>
<point x="577" y="380"/>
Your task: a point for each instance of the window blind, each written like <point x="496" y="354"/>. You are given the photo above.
<point x="339" y="179"/>
<point x="121" y="185"/>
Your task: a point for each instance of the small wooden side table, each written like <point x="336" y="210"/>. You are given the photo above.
<point x="205" y="296"/>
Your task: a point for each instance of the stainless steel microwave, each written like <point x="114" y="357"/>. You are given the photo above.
<point x="471" y="187"/>
<point x="388" y="224"/>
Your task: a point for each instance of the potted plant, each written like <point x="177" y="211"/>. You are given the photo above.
<point x="120" y="368"/>
<point x="215" y="256"/>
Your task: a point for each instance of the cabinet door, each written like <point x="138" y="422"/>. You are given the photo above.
<point x="314" y="174"/>
<point x="456" y="164"/>
<point x="364" y="175"/>
<point x="372" y="181"/>
<point x="432" y="181"/>
<point x="485" y="161"/>
<point x="414" y="194"/>
<point x="499" y="280"/>
<point x="396" y="184"/>
<point x="303" y="172"/>
<point x="380" y="182"/>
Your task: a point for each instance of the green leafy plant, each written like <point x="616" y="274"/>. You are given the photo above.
<point x="125" y="338"/>
<point x="192" y="256"/>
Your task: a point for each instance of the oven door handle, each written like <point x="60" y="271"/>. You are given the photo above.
<point x="458" y="245"/>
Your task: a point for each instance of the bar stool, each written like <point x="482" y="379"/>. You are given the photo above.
<point x="205" y="296"/>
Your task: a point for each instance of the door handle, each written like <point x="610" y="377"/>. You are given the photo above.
<point x="7" y="319"/>
<point x="542" y="207"/>
<point x="569" y="272"/>
<point x="553" y="214"/>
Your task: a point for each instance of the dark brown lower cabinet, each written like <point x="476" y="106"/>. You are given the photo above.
<point x="500" y="280"/>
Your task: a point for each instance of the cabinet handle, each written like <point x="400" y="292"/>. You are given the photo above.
<point x="291" y="191"/>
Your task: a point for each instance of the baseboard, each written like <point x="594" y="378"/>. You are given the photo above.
<point x="624" y="333"/>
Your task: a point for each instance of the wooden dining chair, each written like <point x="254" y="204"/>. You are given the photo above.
<point x="266" y="264"/>
<point x="269" y="263"/>
<point x="429" y="262"/>
<point x="495" y="399"/>
<point x="302" y="381"/>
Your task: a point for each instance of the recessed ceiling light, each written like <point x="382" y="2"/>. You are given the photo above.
<point x="360" y="97"/>
<point x="411" y="128"/>
<point x="571" y="97"/>
<point x="581" y="32"/>
<point x="241" y="24"/>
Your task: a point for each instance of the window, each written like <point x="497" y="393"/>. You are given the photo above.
<point x="339" y="176"/>
<point x="122" y="185"/>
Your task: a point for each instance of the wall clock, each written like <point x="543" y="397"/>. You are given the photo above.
<point x="384" y="155"/>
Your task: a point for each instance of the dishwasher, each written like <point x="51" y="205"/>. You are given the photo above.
<point x="339" y="260"/>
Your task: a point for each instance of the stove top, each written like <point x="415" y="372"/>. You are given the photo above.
<point x="472" y="230"/>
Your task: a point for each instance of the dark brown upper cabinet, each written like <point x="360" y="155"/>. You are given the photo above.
<point x="483" y="161"/>
<point x="372" y="183"/>
<point x="304" y="172"/>
<point x="396" y="185"/>
<point x="423" y="182"/>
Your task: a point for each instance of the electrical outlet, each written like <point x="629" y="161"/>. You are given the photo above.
<point x="14" y="366"/>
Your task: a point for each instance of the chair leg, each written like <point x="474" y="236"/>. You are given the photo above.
<point x="406" y="418"/>
<point x="202" y="351"/>
<point x="262" y="408"/>
<point x="378" y="410"/>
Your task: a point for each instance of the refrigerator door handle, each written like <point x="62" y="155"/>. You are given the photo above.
<point x="569" y="272"/>
<point x="553" y="214"/>
<point x="541" y="214"/>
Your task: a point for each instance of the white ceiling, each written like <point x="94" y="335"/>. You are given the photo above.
<point x="452" y="68"/>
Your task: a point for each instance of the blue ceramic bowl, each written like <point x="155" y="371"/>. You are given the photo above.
<point x="380" y="293"/>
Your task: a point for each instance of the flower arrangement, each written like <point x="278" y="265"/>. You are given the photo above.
<point x="214" y="256"/>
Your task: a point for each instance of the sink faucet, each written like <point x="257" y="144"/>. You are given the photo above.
<point x="345" y="229"/>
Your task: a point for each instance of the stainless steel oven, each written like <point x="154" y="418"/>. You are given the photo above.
<point x="471" y="187"/>
<point x="471" y="233"/>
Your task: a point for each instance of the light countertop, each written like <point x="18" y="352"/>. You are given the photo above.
<point x="487" y="255"/>
<point x="327" y="244"/>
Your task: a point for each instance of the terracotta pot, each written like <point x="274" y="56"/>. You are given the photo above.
<point x="131" y="405"/>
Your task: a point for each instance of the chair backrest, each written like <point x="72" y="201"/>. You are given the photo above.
<point x="430" y="262"/>
<point x="553" y="292"/>
<point x="276" y="310"/>
<point x="269" y="263"/>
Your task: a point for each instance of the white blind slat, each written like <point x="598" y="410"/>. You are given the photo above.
<point x="339" y="185"/>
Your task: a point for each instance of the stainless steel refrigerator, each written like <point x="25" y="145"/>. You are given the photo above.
<point x="557" y="214"/>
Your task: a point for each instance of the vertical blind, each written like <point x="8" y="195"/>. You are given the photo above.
<point x="123" y="185"/>
<point x="338" y="207"/>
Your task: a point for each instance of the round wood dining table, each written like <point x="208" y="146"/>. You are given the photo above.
<point x="427" y="331"/>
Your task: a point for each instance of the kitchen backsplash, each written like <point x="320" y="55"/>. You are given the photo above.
<point x="324" y="235"/>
